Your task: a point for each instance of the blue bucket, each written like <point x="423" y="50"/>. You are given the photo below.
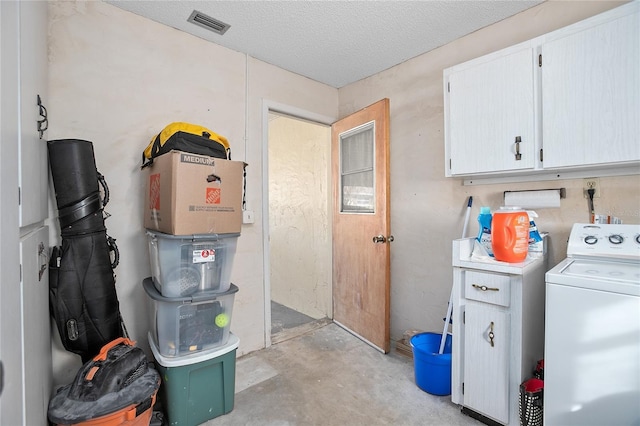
<point x="432" y="370"/>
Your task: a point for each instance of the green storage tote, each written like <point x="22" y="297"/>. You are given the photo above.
<point x="197" y="387"/>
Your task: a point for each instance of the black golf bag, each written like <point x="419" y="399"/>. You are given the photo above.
<point x="82" y="292"/>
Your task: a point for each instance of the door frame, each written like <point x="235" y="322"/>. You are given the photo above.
<point x="294" y="112"/>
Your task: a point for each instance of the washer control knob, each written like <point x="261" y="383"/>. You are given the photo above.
<point x="590" y="239"/>
<point x="616" y="239"/>
<point x="638" y="238"/>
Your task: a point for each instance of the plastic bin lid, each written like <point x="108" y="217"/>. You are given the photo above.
<point x="153" y="293"/>
<point x="194" y="358"/>
<point x="192" y="237"/>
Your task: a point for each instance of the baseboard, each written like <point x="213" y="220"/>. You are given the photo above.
<point x="480" y="417"/>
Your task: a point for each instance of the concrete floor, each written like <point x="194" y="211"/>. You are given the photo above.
<point x="284" y="318"/>
<point x="329" y="377"/>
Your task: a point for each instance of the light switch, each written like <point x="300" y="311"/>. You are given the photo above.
<point x="247" y="216"/>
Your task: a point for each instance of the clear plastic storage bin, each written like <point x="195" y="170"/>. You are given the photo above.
<point x="186" y="325"/>
<point x="182" y="265"/>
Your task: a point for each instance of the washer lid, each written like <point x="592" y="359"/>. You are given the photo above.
<point x="616" y="277"/>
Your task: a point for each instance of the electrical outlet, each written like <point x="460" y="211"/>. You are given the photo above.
<point x="591" y="183"/>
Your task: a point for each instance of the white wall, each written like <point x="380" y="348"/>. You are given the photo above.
<point x="427" y="209"/>
<point x="299" y="216"/>
<point x="117" y="79"/>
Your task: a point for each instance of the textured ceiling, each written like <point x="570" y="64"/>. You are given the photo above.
<point x="333" y="42"/>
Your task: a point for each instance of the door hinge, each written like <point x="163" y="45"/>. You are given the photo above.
<point x="449" y="86"/>
<point x="541" y="155"/>
<point x="19" y="196"/>
<point x="464" y="317"/>
<point x="449" y="163"/>
<point x="463" y="388"/>
<point x="540" y="60"/>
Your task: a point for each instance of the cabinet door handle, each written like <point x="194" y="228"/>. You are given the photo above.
<point x="44" y="261"/>
<point x="518" y="155"/>
<point x="491" y="334"/>
<point x="43" y="124"/>
<point x="484" y="287"/>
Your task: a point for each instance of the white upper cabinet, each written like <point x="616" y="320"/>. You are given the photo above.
<point x="491" y="115"/>
<point x="33" y="164"/>
<point x="571" y="98"/>
<point x="591" y="95"/>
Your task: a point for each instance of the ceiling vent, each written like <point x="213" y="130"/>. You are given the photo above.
<point x="208" y="22"/>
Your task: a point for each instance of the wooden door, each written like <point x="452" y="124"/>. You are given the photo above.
<point x="361" y="224"/>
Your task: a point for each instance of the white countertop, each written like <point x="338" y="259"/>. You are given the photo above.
<point x="461" y="257"/>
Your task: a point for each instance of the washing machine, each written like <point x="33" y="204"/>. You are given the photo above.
<point x="592" y="329"/>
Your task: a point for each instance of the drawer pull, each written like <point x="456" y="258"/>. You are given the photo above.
<point x="491" y="334"/>
<point x="484" y="287"/>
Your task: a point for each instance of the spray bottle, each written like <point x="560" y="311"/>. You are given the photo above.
<point x="484" y="234"/>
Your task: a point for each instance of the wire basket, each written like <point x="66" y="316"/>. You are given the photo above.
<point x="530" y="404"/>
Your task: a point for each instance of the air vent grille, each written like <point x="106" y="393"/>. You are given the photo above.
<point x="208" y="22"/>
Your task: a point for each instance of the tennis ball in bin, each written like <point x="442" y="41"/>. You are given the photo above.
<point x="222" y="320"/>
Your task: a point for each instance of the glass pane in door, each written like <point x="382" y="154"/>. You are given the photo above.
<point x="357" y="170"/>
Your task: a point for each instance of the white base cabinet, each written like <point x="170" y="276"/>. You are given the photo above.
<point x="498" y="331"/>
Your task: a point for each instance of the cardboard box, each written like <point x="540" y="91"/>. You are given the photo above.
<point x="193" y="194"/>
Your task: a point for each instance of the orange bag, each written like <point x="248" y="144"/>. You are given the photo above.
<point x="116" y="387"/>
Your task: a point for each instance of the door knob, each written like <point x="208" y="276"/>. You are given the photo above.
<point x="382" y="239"/>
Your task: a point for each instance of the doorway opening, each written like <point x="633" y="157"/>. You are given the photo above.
<point x="299" y="193"/>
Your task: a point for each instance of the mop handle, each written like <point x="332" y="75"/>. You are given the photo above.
<point x="443" y="339"/>
<point x="466" y="217"/>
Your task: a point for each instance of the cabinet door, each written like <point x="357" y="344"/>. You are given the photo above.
<point x="10" y="351"/>
<point x="33" y="164"/>
<point x="36" y="340"/>
<point x="486" y="365"/>
<point x="489" y="106"/>
<point x="591" y="95"/>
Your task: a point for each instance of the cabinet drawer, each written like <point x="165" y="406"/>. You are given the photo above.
<point x="486" y="287"/>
